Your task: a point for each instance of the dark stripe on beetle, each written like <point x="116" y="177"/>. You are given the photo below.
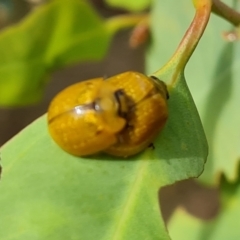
<point x="77" y="109"/>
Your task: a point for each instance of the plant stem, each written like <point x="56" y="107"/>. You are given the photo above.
<point x="189" y="41"/>
<point x="226" y="12"/>
<point x="117" y="23"/>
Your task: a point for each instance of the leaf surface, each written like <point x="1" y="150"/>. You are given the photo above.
<point x="213" y="78"/>
<point x="48" y="194"/>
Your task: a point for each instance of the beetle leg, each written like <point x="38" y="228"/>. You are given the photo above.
<point x="151" y="145"/>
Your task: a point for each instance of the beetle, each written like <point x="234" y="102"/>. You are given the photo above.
<point x="120" y="115"/>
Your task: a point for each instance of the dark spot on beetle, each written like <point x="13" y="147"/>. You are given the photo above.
<point x="133" y="108"/>
<point x="119" y="95"/>
<point x="166" y="90"/>
<point x="120" y="138"/>
<point x="88" y="83"/>
<point x="154" y="77"/>
<point x="98" y="132"/>
<point x="151" y="145"/>
<point x="129" y="126"/>
<point x="122" y="114"/>
<point x="168" y="96"/>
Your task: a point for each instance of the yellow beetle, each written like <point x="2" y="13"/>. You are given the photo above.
<point x="120" y="115"/>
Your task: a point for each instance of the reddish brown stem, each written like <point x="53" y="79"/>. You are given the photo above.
<point x="226" y="12"/>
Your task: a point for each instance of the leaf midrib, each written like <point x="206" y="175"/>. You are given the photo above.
<point x="130" y="199"/>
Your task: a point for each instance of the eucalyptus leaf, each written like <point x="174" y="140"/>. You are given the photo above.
<point x="213" y="78"/>
<point x="54" y="35"/>
<point x="46" y="193"/>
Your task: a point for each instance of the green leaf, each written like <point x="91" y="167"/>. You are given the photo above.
<point x="55" y="35"/>
<point x="213" y="78"/>
<point x="48" y="194"/>
<point x="132" y="5"/>
<point x="224" y="226"/>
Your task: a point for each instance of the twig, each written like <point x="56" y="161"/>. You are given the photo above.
<point x="226" y="12"/>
